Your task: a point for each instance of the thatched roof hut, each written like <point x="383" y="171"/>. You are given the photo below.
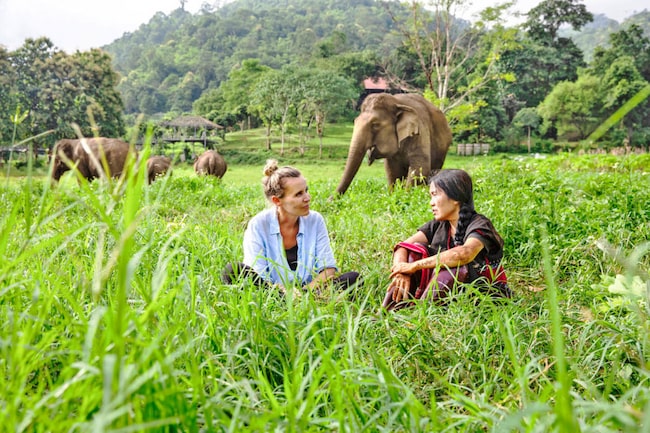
<point x="196" y="122"/>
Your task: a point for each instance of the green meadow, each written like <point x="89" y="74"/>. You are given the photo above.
<point x="113" y="317"/>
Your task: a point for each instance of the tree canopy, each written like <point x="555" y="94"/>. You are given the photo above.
<point x="296" y="63"/>
<point x="55" y="90"/>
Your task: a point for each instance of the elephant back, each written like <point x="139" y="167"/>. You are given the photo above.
<point x="79" y="151"/>
<point x="157" y="165"/>
<point x="115" y="151"/>
<point x="210" y="163"/>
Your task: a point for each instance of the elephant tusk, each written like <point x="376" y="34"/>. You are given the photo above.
<point x="371" y="155"/>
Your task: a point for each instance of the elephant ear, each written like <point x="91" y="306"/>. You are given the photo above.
<point x="407" y="122"/>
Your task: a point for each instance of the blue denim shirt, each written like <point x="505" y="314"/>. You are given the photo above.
<point x="264" y="250"/>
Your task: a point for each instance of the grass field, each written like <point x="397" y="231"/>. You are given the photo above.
<point x="114" y="319"/>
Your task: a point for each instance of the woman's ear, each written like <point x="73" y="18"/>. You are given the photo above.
<point x="275" y="200"/>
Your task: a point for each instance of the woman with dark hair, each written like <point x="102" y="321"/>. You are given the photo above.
<point x="288" y="245"/>
<point x="457" y="246"/>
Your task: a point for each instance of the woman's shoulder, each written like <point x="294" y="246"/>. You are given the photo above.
<point x="480" y="221"/>
<point x="262" y="216"/>
<point x="266" y="213"/>
<point x="430" y="226"/>
<point x="479" y="217"/>
<point x="483" y="226"/>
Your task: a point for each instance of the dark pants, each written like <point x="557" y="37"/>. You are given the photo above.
<point x="236" y="272"/>
<point x="436" y="290"/>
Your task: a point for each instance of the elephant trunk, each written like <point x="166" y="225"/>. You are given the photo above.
<point x="355" y="157"/>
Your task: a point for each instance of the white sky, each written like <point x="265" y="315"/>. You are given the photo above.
<point x="79" y="24"/>
<point x="83" y="24"/>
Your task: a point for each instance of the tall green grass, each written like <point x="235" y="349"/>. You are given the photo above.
<point x="113" y="316"/>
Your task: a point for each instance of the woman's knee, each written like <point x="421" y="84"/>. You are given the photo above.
<point x="447" y="280"/>
<point x="349" y="279"/>
<point x="228" y="274"/>
<point x="233" y="272"/>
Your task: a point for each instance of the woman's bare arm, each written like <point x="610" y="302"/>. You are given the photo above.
<point x="452" y="258"/>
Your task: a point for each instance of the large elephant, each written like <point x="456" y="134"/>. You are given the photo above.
<point x="407" y="130"/>
<point x="90" y="156"/>
<point x="212" y="163"/>
<point x="157" y="165"/>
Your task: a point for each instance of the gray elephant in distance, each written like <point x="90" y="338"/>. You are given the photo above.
<point x="157" y="166"/>
<point x="91" y="157"/>
<point x="210" y="163"/>
<point x="409" y="132"/>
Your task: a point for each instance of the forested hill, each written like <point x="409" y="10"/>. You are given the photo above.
<point x="167" y="63"/>
<point x="597" y="33"/>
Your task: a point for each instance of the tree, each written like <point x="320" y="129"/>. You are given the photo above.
<point x="185" y="91"/>
<point x="334" y="44"/>
<point x="80" y="89"/>
<point x="545" y="19"/>
<point x="626" y="42"/>
<point x="289" y="94"/>
<point x="269" y="100"/>
<point x="527" y="118"/>
<point x="446" y="49"/>
<point x="538" y="68"/>
<point x="97" y="89"/>
<point x="624" y="67"/>
<point x="575" y="108"/>
<point x="210" y="105"/>
<point x="354" y="66"/>
<point x="326" y="94"/>
<point x="230" y="103"/>
<point x="29" y="63"/>
<point x="8" y="104"/>
<point x="622" y="81"/>
<point x="300" y="95"/>
<point x="236" y="90"/>
<point x="543" y="59"/>
<point x="58" y="89"/>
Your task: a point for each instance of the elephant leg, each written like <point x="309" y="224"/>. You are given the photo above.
<point x="418" y="171"/>
<point x="395" y="170"/>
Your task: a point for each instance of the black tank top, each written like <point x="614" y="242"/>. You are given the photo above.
<point x="292" y="257"/>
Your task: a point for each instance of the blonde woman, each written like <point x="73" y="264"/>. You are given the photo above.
<point x="288" y="245"/>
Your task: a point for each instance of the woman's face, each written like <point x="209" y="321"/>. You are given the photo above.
<point x="296" y="198"/>
<point x="444" y="208"/>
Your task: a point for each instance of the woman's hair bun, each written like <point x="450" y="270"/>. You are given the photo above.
<point x="270" y="167"/>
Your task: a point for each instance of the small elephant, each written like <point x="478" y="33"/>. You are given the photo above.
<point x="90" y="156"/>
<point x="158" y="166"/>
<point x="410" y="132"/>
<point x="212" y="163"/>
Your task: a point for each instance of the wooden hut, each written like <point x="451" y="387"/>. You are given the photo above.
<point x="193" y="129"/>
